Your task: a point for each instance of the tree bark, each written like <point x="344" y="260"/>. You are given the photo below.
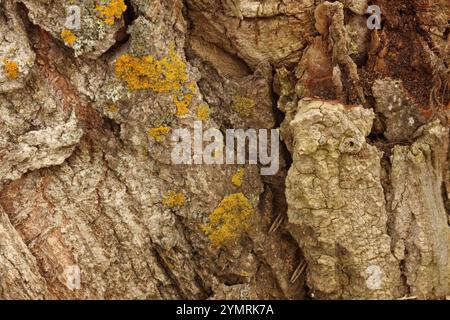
<point x="358" y="210"/>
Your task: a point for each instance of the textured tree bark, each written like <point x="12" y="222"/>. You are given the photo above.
<point x="359" y="208"/>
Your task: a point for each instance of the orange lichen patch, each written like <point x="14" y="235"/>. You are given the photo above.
<point x="174" y="199"/>
<point x="68" y="36"/>
<point x="165" y="75"/>
<point x="159" y="133"/>
<point x="238" y="178"/>
<point x="11" y="69"/>
<point x="112" y="11"/>
<point x="203" y="112"/>
<point x="243" y="105"/>
<point x="229" y="219"/>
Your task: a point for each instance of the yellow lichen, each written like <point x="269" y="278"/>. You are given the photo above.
<point x="238" y="178"/>
<point x="182" y="102"/>
<point x="183" y="98"/>
<point x="243" y="105"/>
<point x="165" y="75"/>
<point x="113" y="108"/>
<point x="174" y="199"/>
<point x="112" y="11"/>
<point x="159" y="133"/>
<point x="11" y="69"/>
<point x="229" y="219"/>
<point x="68" y="36"/>
<point x="203" y="112"/>
<point x="192" y="86"/>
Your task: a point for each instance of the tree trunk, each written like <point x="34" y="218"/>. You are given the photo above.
<point x="89" y="191"/>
